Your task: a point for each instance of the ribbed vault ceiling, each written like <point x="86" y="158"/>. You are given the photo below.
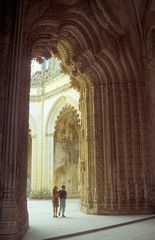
<point x="104" y="39"/>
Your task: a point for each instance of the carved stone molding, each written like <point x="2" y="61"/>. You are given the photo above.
<point x="51" y="93"/>
<point x="105" y="48"/>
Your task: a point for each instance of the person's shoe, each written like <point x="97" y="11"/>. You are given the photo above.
<point x="63" y="216"/>
<point x="56" y="216"/>
<point x="53" y="215"/>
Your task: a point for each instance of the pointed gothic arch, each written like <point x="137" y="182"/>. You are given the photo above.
<point x="90" y="38"/>
<point x="67" y="150"/>
<point x="50" y="129"/>
<point x="55" y="110"/>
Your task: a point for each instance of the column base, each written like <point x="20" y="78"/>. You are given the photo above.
<point x="9" y="230"/>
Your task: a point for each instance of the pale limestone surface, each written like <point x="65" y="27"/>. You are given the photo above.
<point x="107" y="49"/>
<point x="44" y="226"/>
<point x="138" y="231"/>
<point x="47" y="100"/>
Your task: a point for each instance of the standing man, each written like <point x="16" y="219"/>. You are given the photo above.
<point x="62" y="196"/>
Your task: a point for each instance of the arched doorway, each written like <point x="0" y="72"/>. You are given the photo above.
<point x="104" y="102"/>
<point x="106" y="63"/>
<point x="50" y="91"/>
<point x="66" y="151"/>
<point x="66" y="50"/>
<point x="109" y="102"/>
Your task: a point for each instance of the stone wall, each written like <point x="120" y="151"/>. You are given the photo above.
<point x="104" y="48"/>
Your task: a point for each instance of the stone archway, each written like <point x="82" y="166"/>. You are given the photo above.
<point x="50" y="129"/>
<point x="107" y="61"/>
<point x="113" y="98"/>
<point x="67" y="151"/>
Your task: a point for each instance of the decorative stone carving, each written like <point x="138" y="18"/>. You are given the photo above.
<point x="46" y="75"/>
<point x="66" y="152"/>
<point x="103" y="46"/>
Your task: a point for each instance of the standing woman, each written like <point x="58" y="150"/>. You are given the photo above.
<point x="55" y="199"/>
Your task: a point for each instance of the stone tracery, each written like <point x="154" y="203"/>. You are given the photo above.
<point x="106" y="56"/>
<point x="66" y="152"/>
<point x="87" y="68"/>
<point x="105" y="61"/>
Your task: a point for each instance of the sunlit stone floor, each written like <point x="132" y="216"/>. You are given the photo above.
<point x="80" y="226"/>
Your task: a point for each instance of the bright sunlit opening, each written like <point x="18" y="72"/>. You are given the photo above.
<point x="35" y="66"/>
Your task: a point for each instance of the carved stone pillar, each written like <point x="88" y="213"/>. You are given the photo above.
<point x="123" y="174"/>
<point x="88" y="203"/>
<point x="49" y="150"/>
<point x="22" y="143"/>
<point x="149" y="64"/>
<point x="38" y="165"/>
<point x="83" y="155"/>
<point x="34" y="166"/>
<point x="14" y="219"/>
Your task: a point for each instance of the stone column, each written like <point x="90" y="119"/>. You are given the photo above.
<point x="150" y="67"/>
<point x="22" y="142"/>
<point x="88" y="203"/>
<point x="83" y="154"/>
<point x="34" y="165"/>
<point x="38" y="157"/>
<point x="14" y="218"/>
<point x="124" y="170"/>
<point x="49" y="158"/>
